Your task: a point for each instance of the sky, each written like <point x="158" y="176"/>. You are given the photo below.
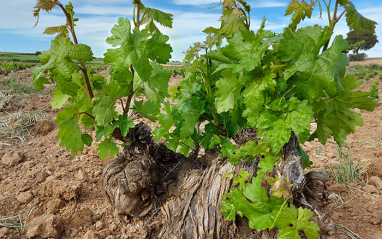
<point x="191" y="17"/>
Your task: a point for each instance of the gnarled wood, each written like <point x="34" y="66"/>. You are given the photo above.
<point x="179" y="198"/>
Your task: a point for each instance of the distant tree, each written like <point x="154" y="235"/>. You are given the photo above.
<point x="361" y="40"/>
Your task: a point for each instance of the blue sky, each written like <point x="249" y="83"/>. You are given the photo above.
<point x="97" y="17"/>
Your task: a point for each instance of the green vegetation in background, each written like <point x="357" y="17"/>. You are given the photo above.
<point x="23" y="57"/>
<point x="33" y="57"/>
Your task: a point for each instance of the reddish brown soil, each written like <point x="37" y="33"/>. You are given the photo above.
<point x="53" y="181"/>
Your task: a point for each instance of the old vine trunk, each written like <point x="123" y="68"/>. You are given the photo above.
<point x="179" y="197"/>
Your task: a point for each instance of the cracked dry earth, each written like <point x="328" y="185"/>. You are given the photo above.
<point x="59" y="195"/>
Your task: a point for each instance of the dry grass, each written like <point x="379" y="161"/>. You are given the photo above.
<point x="17" y="222"/>
<point x="17" y="125"/>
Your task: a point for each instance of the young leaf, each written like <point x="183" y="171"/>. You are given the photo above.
<point x="70" y="134"/>
<point x="59" y="59"/>
<point x="301" y="10"/>
<point x="355" y="20"/>
<point x="149" y="109"/>
<point x="59" y="99"/>
<point x="104" y="109"/>
<point x="228" y="92"/>
<point x="188" y="126"/>
<point x="125" y="123"/>
<point x="150" y="14"/>
<point x="107" y="147"/>
<point x="166" y="121"/>
<point x="291" y="221"/>
<point x="311" y="73"/>
<point x="136" y="48"/>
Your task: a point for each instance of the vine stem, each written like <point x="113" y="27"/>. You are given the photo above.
<point x="332" y="20"/>
<point x="278" y="214"/>
<point x="132" y="92"/>
<point x="83" y="66"/>
<point x="91" y="116"/>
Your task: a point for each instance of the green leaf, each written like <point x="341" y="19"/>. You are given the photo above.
<point x="301" y="10"/>
<point x="335" y="117"/>
<point x="241" y="179"/>
<point x="39" y="82"/>
<point x="228" y="210"/>
<point x="248" y="48"/>
<point x="157" y="48"/>
<point x="313" y="74"/>
<point x="106" y="148"/>
<point x="136" y="48"/>
<point x="291" y="221"/>
<point x="150" y="14"/>
<point x="59" y="58"/>
<point x="188" y="126"/>
<point x="125" y="123"/>
<point x="232" y="21"/>
<point x="66" y="85"/>
<point x="228" y="92"/>
<point x="156" y="88"/>
<point x="166" y="121"/>
<point x="248" y="152"/>
<point x="70" y="134"/>
<point x="276" y="122"/>
<point x="304" y="157"/>
<point x="267" y="163"/>
<point x="59" y="99"/>
<point x="103" y="109"/>
<point x="61" y="30"/>
<point x="256" y="96"/>
<point x="149" y="109"/>
<point x="355" y="20"/>
<point x="87" y="121"/>
<point x="87" y="139"/>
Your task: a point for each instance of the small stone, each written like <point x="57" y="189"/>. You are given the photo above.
<point x="81" y="175"/>
<point x="24" y="197"/>
<point x="370" y="189"/>
<point x="330" y="155"/>
<point x="99" y="225"/>
<point x="49" y="226"/>
<point x="376" y="181"/>
<point x="55" y="205"/>
<point x="338" y="188"/>
<point x="13" y="158"/>
<point x="89" y="235"/>
<point x="110" y="237"/>
<point x="113" y="227"/>
<point x="375" y="220"/>
<point x="3" y="232"/>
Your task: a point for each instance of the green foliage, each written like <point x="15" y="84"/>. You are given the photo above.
<point x="9" y="66"/>
<point x="361" y="40"/>
<point x="276" y="83"/>
<point x="357" y="57"/>
<point x="90" y="101"/>
<point x="252" y="201"/>
<point x="373" y="89"/>
<point x="355" y="20"/>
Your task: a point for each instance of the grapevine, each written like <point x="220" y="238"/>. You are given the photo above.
<point x="274" y="83"/>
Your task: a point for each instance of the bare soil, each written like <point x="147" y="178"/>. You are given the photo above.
<point x="39" y="173"/>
